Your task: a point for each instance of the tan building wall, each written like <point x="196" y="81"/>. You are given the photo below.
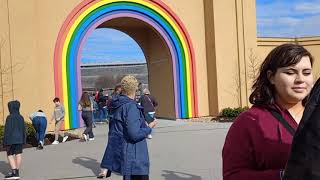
<point x="312" y="44"/>
<point x="231" y="36"/>
<point x="34" y="27"/>
<point x="223" y="35"/>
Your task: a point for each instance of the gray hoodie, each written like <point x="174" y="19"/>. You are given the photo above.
<point x="58" y="113"/>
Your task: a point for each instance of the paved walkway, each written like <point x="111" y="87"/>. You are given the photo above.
<point x="178" y="151"/>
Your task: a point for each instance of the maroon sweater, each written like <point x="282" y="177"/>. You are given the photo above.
<point x="257" y="145"/>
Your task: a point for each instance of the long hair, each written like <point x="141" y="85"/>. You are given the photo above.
<point x="85" y="100"/>
<point x="282" y="56"/>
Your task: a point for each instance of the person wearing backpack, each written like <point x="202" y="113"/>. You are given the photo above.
<point x="149" y="104"/>
<point x="258" y="143"/>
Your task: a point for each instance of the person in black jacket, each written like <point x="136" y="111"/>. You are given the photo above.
<point x="14" y="138"/>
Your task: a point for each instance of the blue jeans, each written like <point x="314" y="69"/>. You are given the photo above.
<point x="102" y="114"/>
<point x="40" y="125"/>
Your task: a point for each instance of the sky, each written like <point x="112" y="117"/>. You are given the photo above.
<point x="288" y="18"/>
<point x="106" y="45"/>
<point x="275" y="18"/>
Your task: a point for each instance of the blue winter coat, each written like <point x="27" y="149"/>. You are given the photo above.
<point x="127" y="150"/>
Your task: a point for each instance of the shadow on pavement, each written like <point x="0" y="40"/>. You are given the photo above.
<point x="4" y="168"/>
<point x="88" y="163"/>
<point x="170" y="175"/>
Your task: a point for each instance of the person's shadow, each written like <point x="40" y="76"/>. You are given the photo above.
<point x="169" y="175"/>
<point x="88" y="163"/>
<point x="4" y="168"/>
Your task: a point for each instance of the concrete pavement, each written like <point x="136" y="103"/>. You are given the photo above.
<point x="178" y="151"/>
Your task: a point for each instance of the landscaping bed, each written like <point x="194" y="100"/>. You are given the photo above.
<point x="31" y="140"/>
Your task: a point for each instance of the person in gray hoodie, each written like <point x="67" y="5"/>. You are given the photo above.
<point x="58" y="117"/>
<point x="14" y="138"/>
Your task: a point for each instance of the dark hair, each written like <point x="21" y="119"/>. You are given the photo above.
<point x="85" y="100"/>
<point x="40" y="110"/>
<point x="282" y="56"/>
<point x="56" y="99"/>
<point x="116" y="89"/>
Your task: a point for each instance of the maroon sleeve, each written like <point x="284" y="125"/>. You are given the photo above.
<point x="238" y="153"/>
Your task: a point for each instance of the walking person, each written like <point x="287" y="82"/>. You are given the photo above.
<point x="116" y="92"/>
<point x="14" y="138"/>
<point x="94" y="110"/>
<point x="149" y="104"/>
<point x="86" y="107"/>
<point x="58" y="117"/>
<point x="127" y="151"/>
<point x="39" y="122"/>
<point x="258" y="143"/>
<point x="102" y="106"/>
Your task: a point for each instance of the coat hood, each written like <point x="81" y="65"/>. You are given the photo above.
<point x="14" y="107"/>
<point x="119" y="100"/>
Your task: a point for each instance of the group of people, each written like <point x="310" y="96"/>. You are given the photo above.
<point x="256" y="147"/>
<point x="127" y="118"/>
<point x="15" y="132"/>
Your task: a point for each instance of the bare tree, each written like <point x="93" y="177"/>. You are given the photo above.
<point x="235" y="89"/>
<point x="253" y="66"/>
<point x="6" y="70"/>
<point x="2" y="42"/>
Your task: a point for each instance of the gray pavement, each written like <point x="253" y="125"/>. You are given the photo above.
<point x="178" y="151"/>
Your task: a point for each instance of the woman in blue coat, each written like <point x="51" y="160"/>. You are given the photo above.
<point x="127" y="150"/>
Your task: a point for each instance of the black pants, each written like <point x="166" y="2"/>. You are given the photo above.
<point x="87" y="118"/>
<point x="137" y="177"/>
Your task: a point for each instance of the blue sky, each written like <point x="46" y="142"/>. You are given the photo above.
<point x="288" y="18"/>
<point x="275" y="18"/>
<point x="111" y="46"/>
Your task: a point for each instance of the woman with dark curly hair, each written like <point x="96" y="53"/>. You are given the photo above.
<point x="258" y="143"/>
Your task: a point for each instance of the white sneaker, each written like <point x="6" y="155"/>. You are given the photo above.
<point x="149" y="136"/>
<point x="85" y="137"/>
<point x="91" y="139"/>
<point x="55" y="142"/>
<point x="65" y="138"/>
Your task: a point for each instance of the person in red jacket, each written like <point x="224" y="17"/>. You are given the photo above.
<point x="257" y="145"/>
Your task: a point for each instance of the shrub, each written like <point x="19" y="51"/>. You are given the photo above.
<point x="30" y="131"/>
<point x="232" y="112"/>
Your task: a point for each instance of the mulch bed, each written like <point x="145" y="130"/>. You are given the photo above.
<point x="49" y="138"/>
<point x="223" y="119"/>
<point x="209" y="119"/>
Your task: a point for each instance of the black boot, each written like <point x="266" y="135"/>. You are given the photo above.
<point x="17" y="173"/>
<point x="13" y="175"/>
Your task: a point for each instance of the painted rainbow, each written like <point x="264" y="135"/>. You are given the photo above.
<point x="87" y="16"/>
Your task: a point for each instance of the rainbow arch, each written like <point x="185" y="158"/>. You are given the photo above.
<point x="88" y="15"/>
